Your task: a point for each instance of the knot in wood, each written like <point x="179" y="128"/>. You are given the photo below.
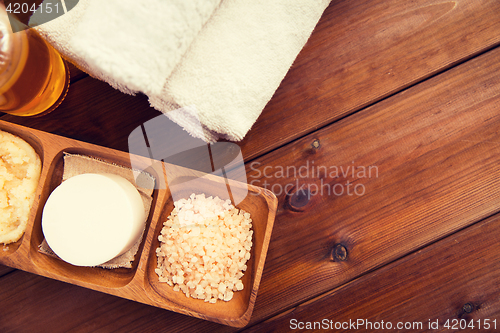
<point x="468" y="307"/>
<point x="339" y="253"/>
<point x="299" y="199"/>
<point x="315" y="144"/>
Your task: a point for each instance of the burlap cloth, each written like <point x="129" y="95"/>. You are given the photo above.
<point x="144" y="182"/>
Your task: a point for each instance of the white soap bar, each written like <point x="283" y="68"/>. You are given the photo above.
<point x="92" y="218"/>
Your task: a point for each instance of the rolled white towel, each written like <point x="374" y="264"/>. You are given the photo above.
<point x="132" y="45"/>
<point x="220" y="61"/>
<point x="236" y="63"/>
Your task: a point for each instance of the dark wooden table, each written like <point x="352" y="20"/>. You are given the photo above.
<point x="406" y="91"/>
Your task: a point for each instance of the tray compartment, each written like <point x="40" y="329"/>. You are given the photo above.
<point x="109" y="278"/>
<point x="35" y="142"/>
<point x="237" y="311"/>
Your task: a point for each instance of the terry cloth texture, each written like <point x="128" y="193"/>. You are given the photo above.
<point x="221" y="61"/>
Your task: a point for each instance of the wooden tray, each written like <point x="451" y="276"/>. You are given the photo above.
<point x="140" y="283"/>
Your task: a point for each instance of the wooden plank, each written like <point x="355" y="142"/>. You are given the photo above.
<point x="5" y="270"/>
<point x="436" y="148"/>
<point x="360" y="52"/>
<point x="363" y="51"/>
<point x="93" y="112"/>
<point x="30" y="302"/>
<point x="75" y="73"/>
<point x="435" y="151"/>
<point x="426" y="134"/>
<point x="455" y="280"/>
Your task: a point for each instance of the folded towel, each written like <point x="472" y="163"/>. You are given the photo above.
<point x="132" y="45"/>
<point x="230" y="57"/>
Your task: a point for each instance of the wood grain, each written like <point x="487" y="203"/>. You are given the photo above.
<point x="436" y="151"/>
<point x="31" y="301"/>
<point x="75" y="73"/>
<point x="359" y="53"/>
<point x="435" y="146"/>
<point x="93" y="112"/>
<point x="363" y="51"/>
<point x="457" y="278"/>
<point x="5" y="270"/>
